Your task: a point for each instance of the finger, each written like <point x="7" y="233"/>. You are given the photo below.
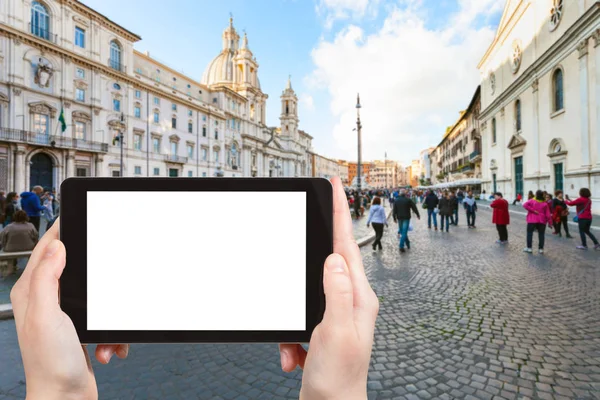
<point x="292" y="355"/>
<point x="43" y="288"/>
<point x="345" y="245"/>
<point x="339" y="298"/>
<point x="20" y="293"/>
<point x="104" y="352"/>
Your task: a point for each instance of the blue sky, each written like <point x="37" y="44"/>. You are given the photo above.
<point x="333" y="49"/>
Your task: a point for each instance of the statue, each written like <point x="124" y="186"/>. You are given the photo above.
<point x="43" y="73"/>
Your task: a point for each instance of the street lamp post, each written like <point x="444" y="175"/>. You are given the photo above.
<point x="121" y="143"/>
<point x="359" y="163"/>
<point x="385" y="164"/>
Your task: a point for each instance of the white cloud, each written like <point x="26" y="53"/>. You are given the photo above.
<point x="307" y="101"/>
<point x="413" y="80"/>
<point x="334" y="10"/>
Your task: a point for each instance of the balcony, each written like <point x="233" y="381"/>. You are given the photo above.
<point x="117" y="66"/>
<point x="45" y="34"/>
<point x="475" y="156"/>
<point x="40" y="139"/>
<point x="173" y="158"/>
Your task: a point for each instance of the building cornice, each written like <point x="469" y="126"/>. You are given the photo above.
<point x="10" y="32"/>
<point x="102" y="19"/>
<point x="163" y="66"/>
<point x="504" y="30"/>
<point x="580" y="31"/>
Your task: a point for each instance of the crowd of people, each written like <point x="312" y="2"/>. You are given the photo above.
<point x="543" y="210"/>
<point x="21" y="215"/>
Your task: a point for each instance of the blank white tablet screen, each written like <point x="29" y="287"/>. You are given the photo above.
<point x="179" y="261"/>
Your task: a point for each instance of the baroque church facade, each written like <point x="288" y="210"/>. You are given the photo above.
<point x="540" y="93"/>
<point x="62" y="58"/>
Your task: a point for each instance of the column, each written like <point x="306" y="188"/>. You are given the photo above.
<point x="536" y="129"/>
<point x="584" y="102"/>
<point x="596" y="37"/>
<point x="98" y="168"/>
<point x="20" y="170"/>
<point x="70" y="164"/>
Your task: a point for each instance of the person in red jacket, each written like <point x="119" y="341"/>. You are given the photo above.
<point x="584" y="217"/>
<point x="500" y="217"/>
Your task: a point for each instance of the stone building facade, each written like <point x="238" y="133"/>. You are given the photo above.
<point x="458" y="155"/>
<point x="540" y="93"/>
<point x="62" y="57"/>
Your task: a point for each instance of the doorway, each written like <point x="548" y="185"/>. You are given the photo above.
<point x="519" y="175"/>
<point x="173" y="172"/>
<point x="558" y="176"/>
<point x="41" y="171"/>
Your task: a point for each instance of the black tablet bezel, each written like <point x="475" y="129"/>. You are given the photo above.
<point x="73" y="233"/>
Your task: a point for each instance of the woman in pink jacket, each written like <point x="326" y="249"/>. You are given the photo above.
<point x="538" y="216"/>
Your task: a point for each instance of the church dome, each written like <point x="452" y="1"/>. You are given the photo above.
<point x="220" y="70"/>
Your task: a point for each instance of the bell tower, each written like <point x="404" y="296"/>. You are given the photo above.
<point x="289" y="112"/>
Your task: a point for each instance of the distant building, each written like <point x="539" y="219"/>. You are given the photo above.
<point x="343" y="172"/>
<point x="364" y="171"/>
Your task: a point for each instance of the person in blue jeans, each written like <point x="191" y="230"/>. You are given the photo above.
<point x="446" y="209"/>
<point x="454" y="201"/>
<point x="431" y="202"/>
<point x="471" y="208"/>
<point x="402" y="214"/>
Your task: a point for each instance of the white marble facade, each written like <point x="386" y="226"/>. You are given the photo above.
<point x="540" y="94"/>
<point x="60" y="55"/>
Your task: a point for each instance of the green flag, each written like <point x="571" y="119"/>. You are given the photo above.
<point x="61" y="119"/>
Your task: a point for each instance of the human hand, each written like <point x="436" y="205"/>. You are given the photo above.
<point x="337" y="361"/>
<point x="56" y="365"/>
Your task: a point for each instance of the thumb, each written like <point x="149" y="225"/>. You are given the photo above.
<point x="339" y="299"/>
<point x="44" y="279"/>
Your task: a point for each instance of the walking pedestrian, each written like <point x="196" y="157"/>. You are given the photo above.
<point x="470" y="205"/>
<point x="560" y="214"/>
<point x="431" y="203"/>
<point x="584" y="217"/>
<point x="538" y="216"/>
<point x="500" y="217"/>
<point x="454" y="201"/>
<point x="378" y="219"/>
<point x="30" y="202"/>
<point x="402" y="214"/>
<point x="11" y="207"/>
<point x="446" y="209"/>
<point x="518" y="199"/>
<point x="530" y="195"/>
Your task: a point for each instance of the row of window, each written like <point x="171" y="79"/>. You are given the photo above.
<point x="557" y="103"/>
<point x="137" y="170"/>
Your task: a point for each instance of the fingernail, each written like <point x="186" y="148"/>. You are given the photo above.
<point x="336" y="264"/>
<point x="284" y="359"/>
<point x="52" y="248"/>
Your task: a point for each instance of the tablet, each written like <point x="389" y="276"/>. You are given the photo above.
<point x="174" y="260"/>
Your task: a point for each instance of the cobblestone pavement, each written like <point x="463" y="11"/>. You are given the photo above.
<point x="461" y="317"/>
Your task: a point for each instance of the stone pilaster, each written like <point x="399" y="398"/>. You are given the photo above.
<point x="582" y="48"/>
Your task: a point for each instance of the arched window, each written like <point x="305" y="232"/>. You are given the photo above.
<point x="40" y="20"/>
<point x="557" y="87"/>
<point x="518" y="115"/>
<point x="493" y="130"/>
<point x="115" y="55"/>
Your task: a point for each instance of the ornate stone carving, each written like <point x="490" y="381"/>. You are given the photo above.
<point x="517" y="56"/>
<point x="67" y="104"/>
<point x="582" y="48"/>
<point x="17" y="42"/>
<point x="96" y="111"/>
<point x="535" y="85"/>
<point x="81" y="116"/>
<point x="492" y="82"/>
<point x="81" y="84"/>
<point x="556" y="13"/>
<point x="596" y="37"/>
<point x="43" y="73"/>
<point x="17" y="91"/>
<point x="484" y="125"/>
<point x="502" y="112"/>
<point x="174" y="138"/>
<point x="42" y="108"/>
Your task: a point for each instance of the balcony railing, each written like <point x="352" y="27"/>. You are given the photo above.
<point x="474" y="155"/>
<point x="117" y="66"/>
<point x="42" y="33"/>
<point x="173" y="158"/>
<point x="41" y="139"/>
